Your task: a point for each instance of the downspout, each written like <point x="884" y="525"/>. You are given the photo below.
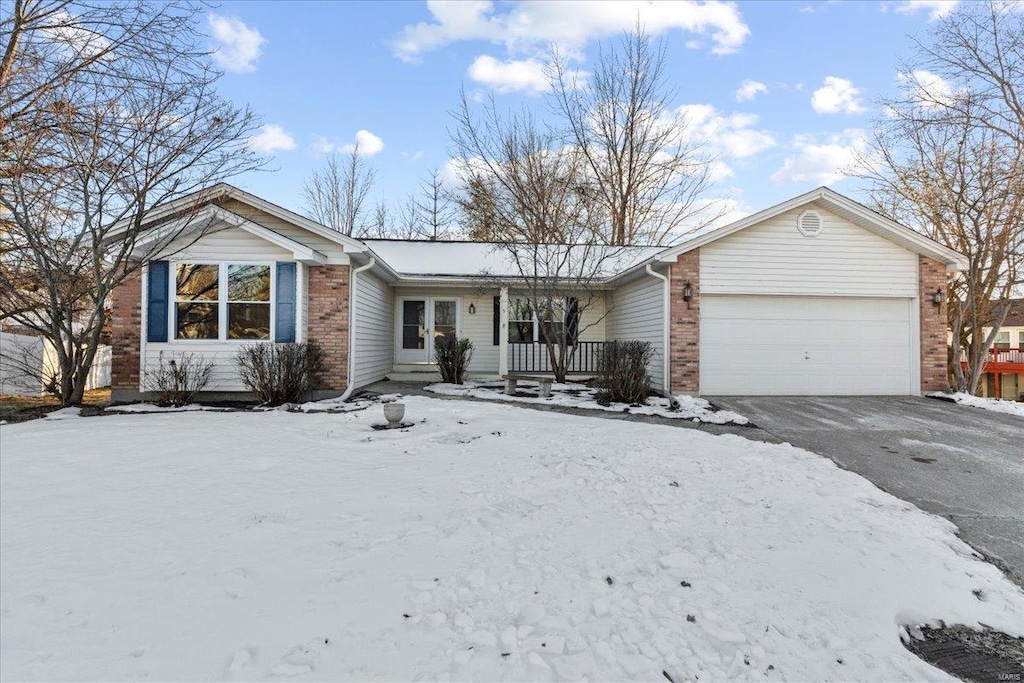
<point x="352" y="327"/>
<point x="666" y="309"/>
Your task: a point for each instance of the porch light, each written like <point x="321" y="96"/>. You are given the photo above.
<point x="687" y="292"/>
<point x="472" y="309"/>
<point x="937" y="298"/>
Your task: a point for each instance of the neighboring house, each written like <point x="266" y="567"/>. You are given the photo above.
<point x="1004" y="371"/>
<point x="817" y="295"/>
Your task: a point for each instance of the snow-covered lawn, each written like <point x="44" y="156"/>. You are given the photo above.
<point x="486" y="542"/>
<point x="993" y="404"/>
<point x="573" y="395"/>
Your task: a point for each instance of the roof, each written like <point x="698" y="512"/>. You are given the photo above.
<point x="844" y="207"/>
<point x="1015" y="318"/>
<point x="221" y="191"/>
<point x="427" y="258"/>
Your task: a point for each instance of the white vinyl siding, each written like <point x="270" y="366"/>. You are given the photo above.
<point x="227" y="244"/>
<point x="334" y="252"/>
<point x="789" y="345"/>
<point x="773" y="257"/>
<point x="637" y="312"/>
<point x="374" y="317"/>
<point x="230" y="245"/>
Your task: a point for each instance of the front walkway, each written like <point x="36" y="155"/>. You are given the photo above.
<point x="418" y="389"/>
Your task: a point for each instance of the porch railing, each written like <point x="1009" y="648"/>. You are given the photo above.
<point x="533" y="357"/>
<point x="998" y="354"/>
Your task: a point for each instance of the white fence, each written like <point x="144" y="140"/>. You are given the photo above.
<point x="26" y="360"/>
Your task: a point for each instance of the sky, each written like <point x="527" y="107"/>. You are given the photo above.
<point x="784" y="92"/>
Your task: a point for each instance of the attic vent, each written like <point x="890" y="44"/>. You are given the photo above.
<point x="809" y="223"/>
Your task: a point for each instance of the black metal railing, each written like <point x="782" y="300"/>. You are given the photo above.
<point x="533" y="357"/>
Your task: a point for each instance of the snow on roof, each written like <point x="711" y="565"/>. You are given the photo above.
<point x="486" y="259"/>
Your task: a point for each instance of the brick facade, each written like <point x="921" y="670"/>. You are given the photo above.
<point x="684" y="333"/>
<point x="126" y="332"/>
<point x="327" y="324"/>
<point x="934" y="326"/>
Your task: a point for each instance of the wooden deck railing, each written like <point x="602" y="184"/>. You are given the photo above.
<point x="533" y="357"/>
<point x="1001" y="356"/>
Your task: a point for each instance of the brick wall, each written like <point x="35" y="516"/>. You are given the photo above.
<point x="327" y="325"/>
<point x="934" y="365"/>
<point x="684" y="333"/>
<point x="126" y="332"/>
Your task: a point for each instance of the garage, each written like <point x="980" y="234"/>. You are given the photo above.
<point x="807" y="345"/>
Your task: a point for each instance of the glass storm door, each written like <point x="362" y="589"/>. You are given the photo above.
<point x="421" y="322"/>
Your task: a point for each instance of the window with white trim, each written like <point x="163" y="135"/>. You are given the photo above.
<point x="1020" y="340"/>
<point x="222" y="301"/>
<point x="1002" y="339"/>
<point x="526" y="325"/>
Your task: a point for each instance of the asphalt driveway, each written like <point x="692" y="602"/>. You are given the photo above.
<point x="962" y="463"/>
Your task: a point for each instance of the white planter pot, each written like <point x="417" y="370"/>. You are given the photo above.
<point x="393" y="413"/>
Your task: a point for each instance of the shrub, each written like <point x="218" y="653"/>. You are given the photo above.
<point x="622" y="370"/>
<point x="279" y="373"/>
<point x="453" y="356"/>
<point x="177" y="379"/>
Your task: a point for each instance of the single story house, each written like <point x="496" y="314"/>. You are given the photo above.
<point x="817" y="295"/>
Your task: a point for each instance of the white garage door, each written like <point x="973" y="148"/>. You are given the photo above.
<point x="797" y="345"/>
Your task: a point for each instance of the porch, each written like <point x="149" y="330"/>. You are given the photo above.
<point x="1004" y="368"/>
<point x="502" y="341"/>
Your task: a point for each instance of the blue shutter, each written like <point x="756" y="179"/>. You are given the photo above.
<point x="157" y="301"/>
<point x="284" y="303"/>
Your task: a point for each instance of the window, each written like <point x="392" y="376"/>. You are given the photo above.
<point x="222" y="301"/>
<point x="526" y="325"/>
<point x="520" y="321"/>
<point x="1020" y="340"/>
<point x="551" y="316"/>
<point x="248" y="302"/>
<point x="196" y="294"/>
<point x="1002" y="339"/>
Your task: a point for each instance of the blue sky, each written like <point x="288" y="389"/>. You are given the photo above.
<point x="784" y="91"/>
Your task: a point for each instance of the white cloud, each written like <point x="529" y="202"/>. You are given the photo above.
<point x="570" y="25"/>
<point x="369" y="145"/>
<point x="238" y="46"/>
<point x="416" y="156"/>
<point x="928" y="89"/>
<point x="936" y="8"/>
<point x="836" y="95"/>
<point x="514" y="75"/>
<point x="731" y="135"/>
<point x="271" y="138"/>
<point x="822" y="161"/>
<point x="749" y="89"/>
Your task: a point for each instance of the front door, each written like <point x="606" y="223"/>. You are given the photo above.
<point x="421" y="321"/>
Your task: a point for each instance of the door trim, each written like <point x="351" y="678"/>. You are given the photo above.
<point x="428" y="324"/>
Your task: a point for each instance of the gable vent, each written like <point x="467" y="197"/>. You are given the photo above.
<point x="809" y="223"/>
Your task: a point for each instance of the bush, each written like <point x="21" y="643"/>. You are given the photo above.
<point x="279" y="373"/>
<point x="622" y="371"/>
<point x="453" y="356"/>
<point x="179" y="378"/>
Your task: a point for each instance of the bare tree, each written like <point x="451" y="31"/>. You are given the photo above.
<point x="335" y="194"/>
<point x="380" y="223"/>
<point x="108" y="111"/>
<point x="944" y="161"/>
<point x="435" y="207"/>
<point x="543" y="220"/>
<point x="642" y="161"/>
<point x="979" y="51"/>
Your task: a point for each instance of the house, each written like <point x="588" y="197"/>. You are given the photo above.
<point x="1004" y="370"/>
<point x="815" y="296"/>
